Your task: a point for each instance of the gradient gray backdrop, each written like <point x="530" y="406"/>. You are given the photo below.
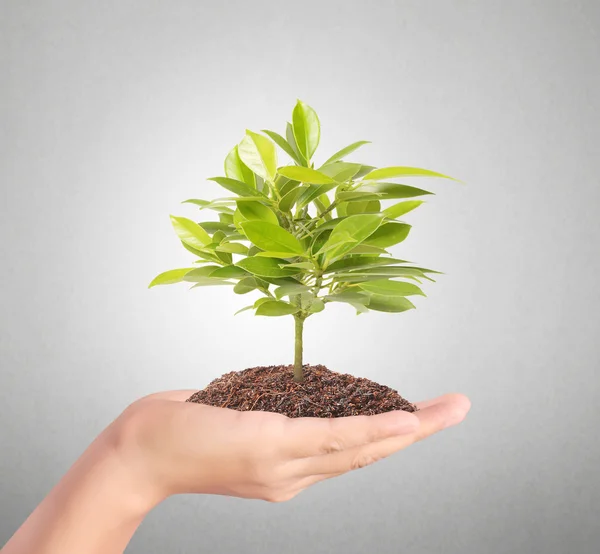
<point x="113" y="112"/>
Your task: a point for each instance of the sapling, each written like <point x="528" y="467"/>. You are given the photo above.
<point x="302" y="236"/>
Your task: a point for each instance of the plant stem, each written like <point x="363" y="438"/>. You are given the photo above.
<point x="331" y="207"/>
<point x="299" y="328"/>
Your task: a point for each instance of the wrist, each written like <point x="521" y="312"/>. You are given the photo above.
<point x="125" y="445"/>
<point x="95" y="508"/>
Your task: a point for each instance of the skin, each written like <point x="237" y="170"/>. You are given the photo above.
<point x="161" y="446"/>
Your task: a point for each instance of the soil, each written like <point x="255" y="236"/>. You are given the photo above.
<point x="323" y="393"/>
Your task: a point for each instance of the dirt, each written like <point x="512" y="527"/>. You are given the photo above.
<point x="323" y="393"/>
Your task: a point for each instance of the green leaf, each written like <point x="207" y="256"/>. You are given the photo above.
<point x="215" y="226"/>
<point x="270" y="237"/>
<point x="256" y="211"/>
<point x="267" y="267"/>
<point x="321" y="207"/>
<point x="220" y="209"/>
<point x="290" y="289"/>
<point x="349" y="232"/>
<point x="361" y="262"/>
<point x="399" y="171"/>
<point x="224" y="257"/>
<point x="218" y="237"/>
<point x="210" y="282"/>
<point x="259" y="154"/>
<point x="329" y="224"/>
<point x="262" y="186"/>
<point x="289" y="135"/>
<point x="305" y="175"/>
<point x="356" y="196"/>
<point x="397" y="270"/>
<point x="284" y="145"/>
<point x="340" y="171"/>
<point x="395" y="304"/>
<point x="367" y="249"/>
<point x="316" y="306"/>
<point x="197" y="202"/>
<point x="388" y="191"/>
<point x="277" y="281"/>
<point x="226" y="218"/>
<point x="206" y="276"/>
<point x="273" y="254"/>
<point x="319" y="240"/>
<point x="376" y="273"/>
<point x="302" y="265"/>
<point x="360" y="308"/>
<point x="388" y="235"/>
<point x="204" y="253"/>
<point x="199" y="273"/>
<point x="348" y="296"/>
<point x="244" y="309"/>
<point x="386" y="287"/>
<point x="365" y="207"/>
<point x="234" y="236"/>
<point x="229" y="272"/>
<point x="287" y="202"/>
<point x="364" y="170"/>
<point x="238" y="219"/>
<point x="313" y="192"/>
<point x="170" y="277"/>
<point x="235" y="186"/>
<point x="323" y="202"/>
<point x="275" y="308"/>
<point x="234" y="199"/>
<point x="307" y="129"/>
<point x="346" y="151"/>
<point x="401" y="208"/>
<point x="190" y="233"/>
<point x="232" y="248"/>
<point x="220" y="205"/>
<point x="357" y="300"/>
<point x="236" y="169"/>
<point x="245" y="285"/>
<point x="285" y="185"/>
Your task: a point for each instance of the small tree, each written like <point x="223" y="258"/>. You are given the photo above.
<point x="304" y="237"/>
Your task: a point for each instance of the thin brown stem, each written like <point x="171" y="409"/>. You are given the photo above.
<point x="298" y="347"/>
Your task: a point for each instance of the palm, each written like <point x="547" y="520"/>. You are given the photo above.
<point x="198" y="448"/>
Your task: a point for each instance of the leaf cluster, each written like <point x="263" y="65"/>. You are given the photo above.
<point x="304" y="236"/>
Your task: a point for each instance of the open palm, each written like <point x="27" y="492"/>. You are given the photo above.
<point x="192" y="448"/>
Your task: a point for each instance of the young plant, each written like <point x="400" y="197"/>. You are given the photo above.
<point x="304" y="237"/>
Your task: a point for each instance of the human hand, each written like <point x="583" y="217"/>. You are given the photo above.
<point x="161" y="445"/>
<point x="182" y="447"/>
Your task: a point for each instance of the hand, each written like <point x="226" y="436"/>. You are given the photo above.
<point x="161" y="445"/>
<point x="184" y="447"/>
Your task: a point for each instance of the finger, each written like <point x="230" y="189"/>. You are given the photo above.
<point x="307" y="437"/>
<point x="444" y="412"/>
<point x="451" y="397"/>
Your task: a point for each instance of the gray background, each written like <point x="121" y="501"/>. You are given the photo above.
<point x="113" y="112"/>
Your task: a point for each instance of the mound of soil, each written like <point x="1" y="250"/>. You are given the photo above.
<point x="323" y="393"/>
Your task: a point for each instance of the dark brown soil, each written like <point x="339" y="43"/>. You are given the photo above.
<point x="323" y="393"/>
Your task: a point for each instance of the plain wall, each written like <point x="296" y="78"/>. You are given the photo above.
<point x="114" y="112"/>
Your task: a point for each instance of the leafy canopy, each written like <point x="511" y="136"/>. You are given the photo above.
<point x="304" y="237"/>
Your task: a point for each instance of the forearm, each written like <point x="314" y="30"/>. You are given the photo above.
<point x="95" y="508"/>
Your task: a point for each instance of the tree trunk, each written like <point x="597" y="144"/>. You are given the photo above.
<point x="299" y="328"/>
